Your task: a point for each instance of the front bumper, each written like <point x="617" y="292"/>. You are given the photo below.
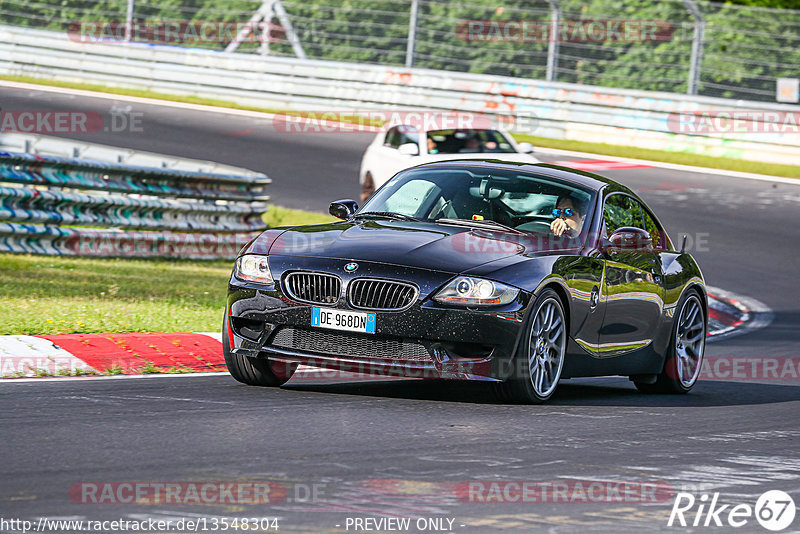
<point x="427" y="340"/>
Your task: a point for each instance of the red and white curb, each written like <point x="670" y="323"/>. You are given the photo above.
<point x="110" y="354"/>
<point x="731" y="315"/>
<point x="201" y="352"/>
<point x="594" y="165"/>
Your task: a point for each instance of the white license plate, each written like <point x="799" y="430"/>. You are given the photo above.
<point x="343" y="320"/>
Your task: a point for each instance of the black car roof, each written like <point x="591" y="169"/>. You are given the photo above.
<point x="583" y="178"/>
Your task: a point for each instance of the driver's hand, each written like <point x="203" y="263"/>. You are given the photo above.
<point x="559" y="226"/>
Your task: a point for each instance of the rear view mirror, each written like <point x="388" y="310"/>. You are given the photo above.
<point x="409" y="149"/>
<point x="628" y="239"/>
<point x="343" y="209"/>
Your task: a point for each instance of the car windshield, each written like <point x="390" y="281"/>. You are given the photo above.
<point x="467" y="141"/>
<point x="478" y="196"/>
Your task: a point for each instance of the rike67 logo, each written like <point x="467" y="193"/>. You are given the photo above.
<point x="774" y="510"/>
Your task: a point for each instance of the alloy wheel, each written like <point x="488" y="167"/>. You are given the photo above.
<point x="690" y="341"/>
<point x="546" y="348"/>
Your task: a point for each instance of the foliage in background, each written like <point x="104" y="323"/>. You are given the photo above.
<point x="746" y="48"/>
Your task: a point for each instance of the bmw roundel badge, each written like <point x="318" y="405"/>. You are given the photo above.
<point x="351" y="267"/>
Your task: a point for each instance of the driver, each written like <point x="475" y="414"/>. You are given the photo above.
<point x="569" y="216"/>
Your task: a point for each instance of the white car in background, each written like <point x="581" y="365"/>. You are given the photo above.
<point x="399" y="147"/>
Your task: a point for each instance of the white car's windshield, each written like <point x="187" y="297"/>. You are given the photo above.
<point x="467" y="141"/>
<point x="519" y="200"/>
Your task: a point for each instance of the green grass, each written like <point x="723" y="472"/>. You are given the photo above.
<point x="55" y="295"/>
<point x="142" y="93"/>
<point x="683" y="158"/>
<point x="279" y="216"/>
<point x="60" y="295"/>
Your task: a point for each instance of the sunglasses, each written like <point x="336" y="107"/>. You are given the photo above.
<point x="569" y="212"/>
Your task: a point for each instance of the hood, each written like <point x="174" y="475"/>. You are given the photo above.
<point x="415" y="244"/>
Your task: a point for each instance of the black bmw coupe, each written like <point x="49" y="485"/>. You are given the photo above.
<point x="517" y="274"/>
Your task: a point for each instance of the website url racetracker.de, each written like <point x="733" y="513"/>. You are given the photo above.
<point x="150" y="525"/>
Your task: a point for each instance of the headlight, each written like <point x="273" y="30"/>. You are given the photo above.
<point x="254" y="269"/>
<point x="476" y="292"/>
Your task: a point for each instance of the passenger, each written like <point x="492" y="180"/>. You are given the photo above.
<point x="471" y="145"/>
<point x="432" y="146"/>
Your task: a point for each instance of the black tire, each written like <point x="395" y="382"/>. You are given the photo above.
<point x="520" y="388"/>
<point x="254" y="371"/>
<point x="670" y="380"/>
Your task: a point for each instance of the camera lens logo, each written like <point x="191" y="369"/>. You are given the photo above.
<point x="351" y="267"/>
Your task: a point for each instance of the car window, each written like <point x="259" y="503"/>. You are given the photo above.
<point x="521" y="200"/>
<point x="410" y="197"/>
<point x="400" y="135"/>
<point x="467" y="141"/>
<point x="390" y="135"/>
<point x="621" y="210"/>
<point x="532" y="204"/>
<point x="656" y="233"/>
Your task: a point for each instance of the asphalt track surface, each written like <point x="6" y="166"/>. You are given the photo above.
<point x="398" y="448"/>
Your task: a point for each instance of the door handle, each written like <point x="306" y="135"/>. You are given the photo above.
<point x="594" y="297"/>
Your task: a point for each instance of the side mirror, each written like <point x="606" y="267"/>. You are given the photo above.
<point x="526" y="148"/>
<point x="628" y="239"/>
<point x="409" y="149"/>
<point x="343" y="209"/>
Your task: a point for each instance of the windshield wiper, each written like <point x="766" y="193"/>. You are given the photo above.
<point x="388" y="215"/>
<point x="485" y="224"/>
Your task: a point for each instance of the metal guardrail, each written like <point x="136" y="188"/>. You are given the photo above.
<point x="566" y="111"/>
<point x="73" y="148"/>
<point x="721" y="49"/>
<point x="72" y="206"/>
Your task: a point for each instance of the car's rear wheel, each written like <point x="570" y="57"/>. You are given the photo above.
<point x="368" y="187"/>
<point x="540" y="356"/>
<point x="685" y="353"/>
<point x="254" y="371"/>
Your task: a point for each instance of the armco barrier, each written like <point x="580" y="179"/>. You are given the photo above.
<point x="68" y="206"/>
<point x="566" y="111"/>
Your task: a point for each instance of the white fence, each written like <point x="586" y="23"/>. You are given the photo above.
<point x="563" y="111"/>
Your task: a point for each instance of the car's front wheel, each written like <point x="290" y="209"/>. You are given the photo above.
<point x="685" y="353"/>
<point x="254" y="371"/>
<point x="540" y="356"/>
